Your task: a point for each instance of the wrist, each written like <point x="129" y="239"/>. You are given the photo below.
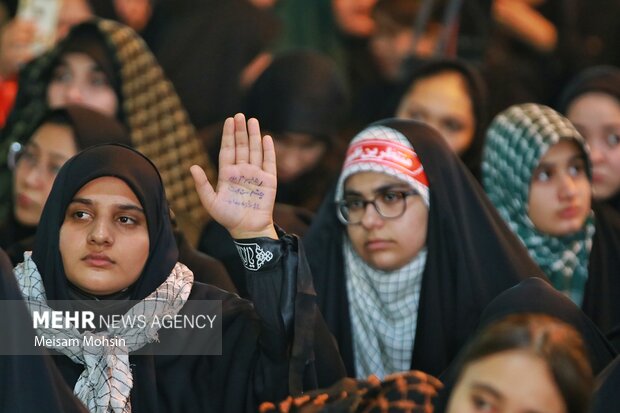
<point x="269" y="232"/>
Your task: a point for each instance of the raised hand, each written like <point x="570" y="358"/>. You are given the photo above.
<point x="246" y="187"/>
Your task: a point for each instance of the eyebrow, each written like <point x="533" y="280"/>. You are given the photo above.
<point x="381" y="189"/>
<point x="123" y="207"/>
<point x="577" y="156"/>
<point x="487" y="388"/>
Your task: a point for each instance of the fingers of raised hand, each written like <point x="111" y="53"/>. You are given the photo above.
<point x="242" y="146"/>
<point x="256" y="146"/>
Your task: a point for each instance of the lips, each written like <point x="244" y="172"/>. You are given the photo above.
<point x="98" y="260"/>
<point x="569" y="212"/>
<point x="377" y="244"/>
<point x="24" y="201"/>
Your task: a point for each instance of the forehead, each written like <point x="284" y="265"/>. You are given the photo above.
<point x="107" y="189"/>
<point x="370" y="181"/>
<point x="56" y="138"/>
<point x="562" y="151"/>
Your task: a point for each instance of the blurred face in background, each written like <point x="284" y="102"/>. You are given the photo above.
<point x="354" y="17"/>
<point x="78" y="79"/>
<point x="36" y="168"/>
<point x="597" y="117"/>
<point x="297" y="154"/>
<point x="512" y="381"/>
<point x="560" y="192"/>
<point x="443" y="102"/>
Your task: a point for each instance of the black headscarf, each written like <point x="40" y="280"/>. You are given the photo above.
<point x="301" y="92"/>
<point x="142" y="177"/>
<point x="472" y="257"/>
<point x="602" y="79"/>
<point x="476" y="89"/>
<point x="538" y="296"/>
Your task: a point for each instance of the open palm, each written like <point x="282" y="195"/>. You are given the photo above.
<point x="246" y="188"/>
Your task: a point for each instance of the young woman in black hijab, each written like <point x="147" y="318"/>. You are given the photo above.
<point x="451" y="96"/>
<point x="591" y="101"/>
<point x="465" y="253"/>
<point x="106" y="234"/>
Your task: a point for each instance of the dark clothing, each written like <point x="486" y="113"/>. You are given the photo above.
<point x="218" y="243"/>
<point x="606" y="396"/>
<point x="472" y="257"/>
<point x="538" y="296"/>
<point x="28" y="383"/>
<point x="206" y="269"/>
<point x="602" y="292"/>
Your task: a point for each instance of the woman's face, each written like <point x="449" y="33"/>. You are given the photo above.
<point x="386" y="244"/>
<point x="597" y="116"/>
<point x="560" y="192"/>
<point x="104" y="239"/>
<point x="442" y="101"/>
<point x="354" y="17"/>
<point x="43" y="156"/>
<point x="78" y="79"/>
<point x="512" y="381"/>
<point x="297" y="154"/>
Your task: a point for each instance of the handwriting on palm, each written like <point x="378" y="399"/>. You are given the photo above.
<point x="246" y="188"/>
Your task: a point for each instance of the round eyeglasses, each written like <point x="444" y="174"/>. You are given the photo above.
<point x="389" y="204"/>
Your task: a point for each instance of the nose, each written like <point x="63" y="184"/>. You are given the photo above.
<point x="100" y="233"/>
<point x="74" y="93"/>
<point x="568" y="187"/>
<point x="34" y="176"/>
<point x="596" y="154"/>
<point x="371" y="218"/>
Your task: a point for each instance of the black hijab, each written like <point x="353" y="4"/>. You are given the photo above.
<point x="472" y="257"/>
<point x="602" y="79"/>
<point x="476" y="89"/>
<point x="538" y="296"/>
<point x="142" y="177"/>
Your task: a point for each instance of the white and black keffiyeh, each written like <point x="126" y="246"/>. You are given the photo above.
<point x="106" y="382"/>
<point x="384" y="309"/>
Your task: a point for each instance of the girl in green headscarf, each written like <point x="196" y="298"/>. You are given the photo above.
<point x="537" y="172"/>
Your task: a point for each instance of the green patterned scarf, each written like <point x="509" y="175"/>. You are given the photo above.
<point x="516" y="141"/>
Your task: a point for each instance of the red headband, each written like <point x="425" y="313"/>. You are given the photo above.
<point x="389" y="154"/>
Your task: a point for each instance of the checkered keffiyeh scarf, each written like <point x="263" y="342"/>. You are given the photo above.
<point x="516" y="141"/>
<point x="106" y="382"/>
<point x="384" y="311"/>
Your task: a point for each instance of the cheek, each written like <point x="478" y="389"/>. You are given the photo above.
<point x="55" y="95"/>
<point x="356" y="236"/>
<point x="105" y="101"/>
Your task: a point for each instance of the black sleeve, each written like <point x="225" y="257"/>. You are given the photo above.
<point x="280" y="283"/>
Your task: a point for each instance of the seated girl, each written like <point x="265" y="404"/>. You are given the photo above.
<point x="407" y="252"/>
<point x="536" y="171"/>
<point x="105" y="236"/>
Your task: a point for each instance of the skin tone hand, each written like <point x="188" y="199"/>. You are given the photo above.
<point x="15" y="45"/>
<point x="246" y="188"/>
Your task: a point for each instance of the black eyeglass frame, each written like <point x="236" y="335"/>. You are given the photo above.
<point x="341" y="204"/>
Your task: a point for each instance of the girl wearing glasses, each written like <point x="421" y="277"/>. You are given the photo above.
<point x="410" y="253"/>
<point x="60" y="135"/>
